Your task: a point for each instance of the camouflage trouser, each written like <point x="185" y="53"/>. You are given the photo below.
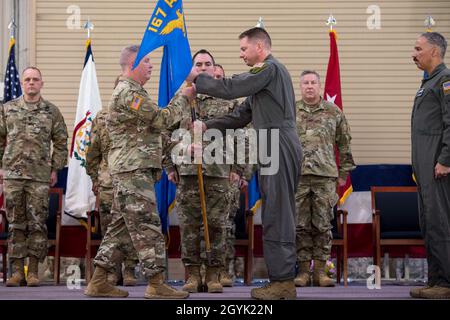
<point x="231" y="227"/>
<point x="315" y="198"/>
<point x="135" y="224"/>
<point x="190" y="217"/>
<point x="105" y="198"/>
<point x="230" y="230"/>
<point x="27" y="211"/>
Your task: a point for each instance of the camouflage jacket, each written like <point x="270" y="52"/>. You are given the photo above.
<point x="97" y="153"/>
<point x="27" y="132"/>
<point x="134" y="124"/>
<point x="320" y="129"/>
<point x="208" y="107"/>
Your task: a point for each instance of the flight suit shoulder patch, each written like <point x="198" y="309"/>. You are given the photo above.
<point x="446" y="87"/>
<point x="258" y="68"/>
<point x="136" y="102"/>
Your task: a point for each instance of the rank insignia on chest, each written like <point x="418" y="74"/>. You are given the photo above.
<point x="446" y="87"/>
<point x="136" y="102"/>
<point x="420" y="92"/>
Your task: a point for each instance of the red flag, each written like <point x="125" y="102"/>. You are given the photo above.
<point x="332" y="93"/>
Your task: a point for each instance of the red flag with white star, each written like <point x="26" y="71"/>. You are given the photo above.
<point x="332" y="93"/>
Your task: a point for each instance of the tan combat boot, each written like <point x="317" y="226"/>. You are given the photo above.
<point x="112" y="278"/>
<point x="194" y="281"/>
<point x="320" y="279"/>
<point x="18" y="277"/>
<point x="417" y="292"/>
<point x="99" y="286"/>
<point x="212" y="280"/>
<point x="276" y="290"/>
<point x="33" y="272"/>
<point x="436" y="292"/>
<point x="225" y="279"/>
<point x="157" y="289"/>
<point x="129" y="279"/>
<point x="303" y="278"/>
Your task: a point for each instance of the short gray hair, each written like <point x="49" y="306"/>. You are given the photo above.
<point x="304" y="73"/>
<point x="126" y="53"/>
<point x="436" y="39"/>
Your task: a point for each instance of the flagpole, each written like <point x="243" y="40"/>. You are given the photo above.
<point x="12" y="89"/>
<point x="12" y="30"/>
<point x="331" y="22"/>
<point x="260" y="23"/>
<point x="429" y="23"/>
<point x="11" y="27"/>
<point x="88" y="26"/>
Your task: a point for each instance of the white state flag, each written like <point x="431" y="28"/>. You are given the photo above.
<point x="79" y="196"/>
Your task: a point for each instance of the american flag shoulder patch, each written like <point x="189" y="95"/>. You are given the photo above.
<point x="446" y="87"/>
<point x="136" y="102"/>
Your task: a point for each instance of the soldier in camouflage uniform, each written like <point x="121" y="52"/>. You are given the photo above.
<point x="97" y="169"/>
<point x="227" y="273"/>
<point x="134" y="125"/>
<point x="218" y="179"/>
<point x="30" y="127"/>
<point x="321" y="126"/>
